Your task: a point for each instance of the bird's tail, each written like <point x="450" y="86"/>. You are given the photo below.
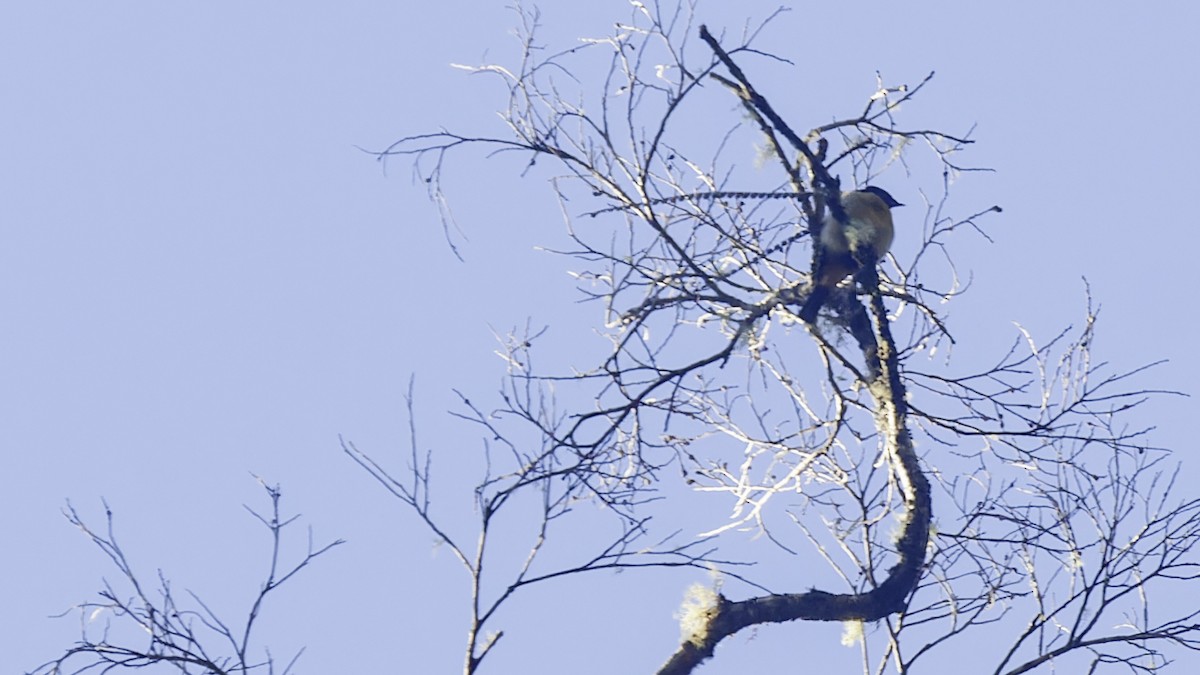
<point x="816" y="300"/>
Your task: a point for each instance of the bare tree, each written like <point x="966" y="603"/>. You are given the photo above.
<point x="1013" y="501"/>
<point x="1055" y="523"/>
<point x="143" y="623"/>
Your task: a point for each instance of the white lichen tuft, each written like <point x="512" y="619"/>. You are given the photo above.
<point x="899" y="525"/>
<point x="699" y="603"/>
<point x="852" y="633"/>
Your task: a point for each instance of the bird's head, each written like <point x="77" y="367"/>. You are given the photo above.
<point x="882" y="194"/>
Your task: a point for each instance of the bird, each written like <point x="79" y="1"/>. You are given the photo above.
<point x="865" y="222"/>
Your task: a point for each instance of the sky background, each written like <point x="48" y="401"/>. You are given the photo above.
<point x="204" y="277"/>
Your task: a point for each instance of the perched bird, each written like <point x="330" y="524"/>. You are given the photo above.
<point x="865" y="224"/>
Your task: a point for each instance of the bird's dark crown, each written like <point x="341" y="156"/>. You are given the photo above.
<point x="882" y="194"/>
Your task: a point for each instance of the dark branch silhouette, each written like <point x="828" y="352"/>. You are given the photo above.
<point x="141" y="623"/>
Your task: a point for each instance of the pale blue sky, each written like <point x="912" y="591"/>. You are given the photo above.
<point x="202" y="277"/>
